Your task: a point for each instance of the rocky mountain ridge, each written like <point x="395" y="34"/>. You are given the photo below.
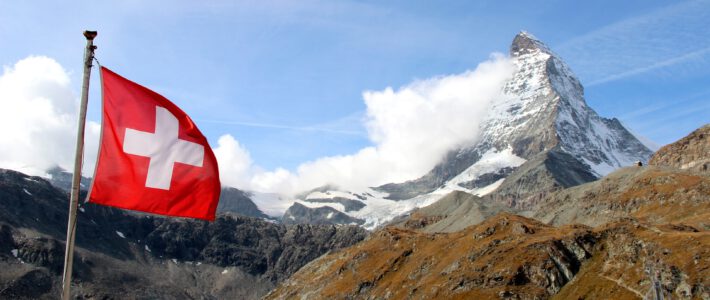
<point x="690" y="153"/>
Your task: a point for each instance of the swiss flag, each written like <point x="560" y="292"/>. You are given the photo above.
<point x="152" y="157"/>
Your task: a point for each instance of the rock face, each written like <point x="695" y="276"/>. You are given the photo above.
<point x="129" y="255"/>
<point x="691" y="152"/>
<point x="510" y="257"/>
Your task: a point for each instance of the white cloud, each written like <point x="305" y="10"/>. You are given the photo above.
<point x="38" y="118"/>
<point x="411" y="129"/>
<point x="234" y="162"/>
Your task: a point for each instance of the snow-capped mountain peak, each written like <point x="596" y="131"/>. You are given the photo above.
<point x="540" y="132"/>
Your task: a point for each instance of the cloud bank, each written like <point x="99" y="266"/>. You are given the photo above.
<point x="411" y="129"/>
<point x="38" y="118"/>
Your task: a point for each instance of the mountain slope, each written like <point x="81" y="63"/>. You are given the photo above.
<point x="654" y="194"/>
<point x="510" y="257"/>
<point x="645" y="230"/>
<point x="128" y="255"/>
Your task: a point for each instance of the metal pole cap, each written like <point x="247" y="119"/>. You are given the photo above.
<point x="90" y="35"/>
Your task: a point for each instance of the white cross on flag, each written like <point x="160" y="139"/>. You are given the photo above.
<point x="152" y="157"/>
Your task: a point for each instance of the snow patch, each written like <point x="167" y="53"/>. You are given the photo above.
<point x="330" y="215"/>
<point x="491" y="162"/>
<point x="337" y="206"/>
<point x="27" y="192"/>
<point x="120" y="234"/>
<point x="489" y="188"/>
<point x="331" y="195"/>
<point x="14" y="252"/>
<point x="147" y="248"/>
<point x="225" y="271"/>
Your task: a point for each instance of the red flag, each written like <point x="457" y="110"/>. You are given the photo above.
<point x="152" y="157"/>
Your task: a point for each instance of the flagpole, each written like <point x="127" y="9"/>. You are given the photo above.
<point x="78" y="158"/>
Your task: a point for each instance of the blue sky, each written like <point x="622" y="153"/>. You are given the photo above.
<point x="286" y="78"/>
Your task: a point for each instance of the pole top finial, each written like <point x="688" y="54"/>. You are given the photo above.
<point x="90" y="35"/>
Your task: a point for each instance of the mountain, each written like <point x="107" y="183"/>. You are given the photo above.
<point x="543" y="110"/>
<point x="539" y="137"/>
<point x="126" y="255"/>
<point x="238" y="202"/>
<point x="635" y="233"/>
<point x="62" y="179"/>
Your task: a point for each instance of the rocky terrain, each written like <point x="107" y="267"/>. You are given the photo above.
<point x="633" y="233"/>
<point x="690" y="153"/>
<point x="124" y="255"/>
<point x="452" y="213"/>
<point x="656" y="195"/>
<point x="512" y="257"/>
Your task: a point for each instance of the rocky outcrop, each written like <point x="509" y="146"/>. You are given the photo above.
<point x="689" y="153"/>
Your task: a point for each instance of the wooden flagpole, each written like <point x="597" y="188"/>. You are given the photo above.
<point x="78" y="159"/>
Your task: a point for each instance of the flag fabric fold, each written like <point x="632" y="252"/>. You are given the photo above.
<point x="152" y="157"/>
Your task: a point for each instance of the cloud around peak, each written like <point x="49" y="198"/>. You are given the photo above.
<point x="410" y="128"/>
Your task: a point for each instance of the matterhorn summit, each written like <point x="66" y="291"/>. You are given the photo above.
<point x="539" y="137"/>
